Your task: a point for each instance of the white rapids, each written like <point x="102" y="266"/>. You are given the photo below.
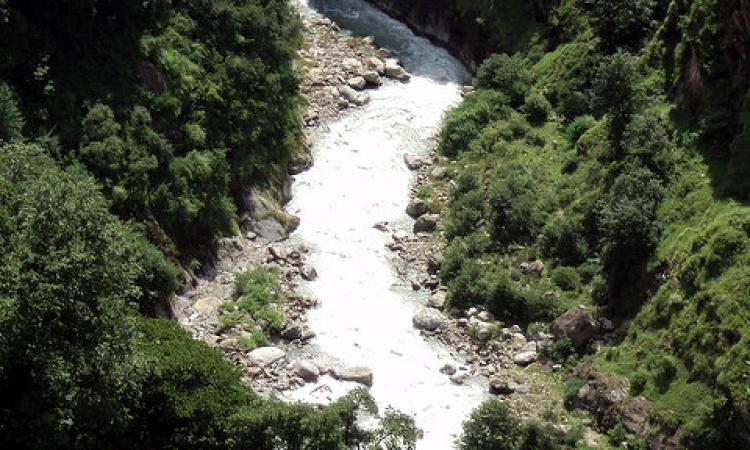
<point x="359" y="178"/>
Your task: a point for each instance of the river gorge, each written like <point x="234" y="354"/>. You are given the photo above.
<point x="359" y="178"/>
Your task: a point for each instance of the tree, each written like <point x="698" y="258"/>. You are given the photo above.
<point x="11" y="119"/>
<point x="618" y="92"/>
<point x="68" y="270"/>
<point x="492" y="426"/>
<point x="621" y="23"/>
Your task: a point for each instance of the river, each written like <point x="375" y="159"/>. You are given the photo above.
<point x="359" y="178"/>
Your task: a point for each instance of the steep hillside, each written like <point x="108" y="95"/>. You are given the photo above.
<point x="611" y="149"/>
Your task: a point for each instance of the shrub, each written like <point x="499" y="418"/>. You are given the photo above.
<point x="537" y="108"/>
<point x="563" y="238"/>
<point x="580" y="125"/>
<point x="11" y="119"/>
<point x="616" y="435"/>
<point x="663" y="370"/>
<point x="516" y="212"/>
<point x="492" y="426"/>
<point x="461" y="249"/>
<point x="638" y="382"/>
<point x="507" y="74"/>
<point x="465" y="122"/>
<point x="465" y="214"/>
<point x="566" y="278"/>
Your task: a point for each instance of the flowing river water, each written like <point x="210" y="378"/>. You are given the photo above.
<point x="359" y="178"/>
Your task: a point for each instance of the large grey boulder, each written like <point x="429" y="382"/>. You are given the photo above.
<point x="525" y="358"/>
<point x="306" y="370"/>
<point x="360" y="374"/>
<point x="394" y="70"/>
<point x="437" y="300"/>
<point x="428" y="319"/>
<point x="357" y="83"/>
<point x="353" y="96"/>
<point x="426" y="222"/>
<point x="413" y="162"/>
<point x="376" y="64"/>
<point x="264" y="356"/>
<point x="577" y="324"/>
<point x="416" y="208"/>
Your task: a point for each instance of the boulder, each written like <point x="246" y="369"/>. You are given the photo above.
<point x="483" y="331"/>
<point x="426" y="222"/>
<point x="264" y="356"/>
<point x="306" y="370"/>
<point x="433" y="263"/>
<point x="293" y="331"/>
<point x="353" y="96"/>
<point x="634" y="416"/>
<point x="448" y="369"/>
<point x="459" y="378"/>
<point x="485" y="316"/>
<point x="206" y="305"/>
<point x="413" y="162"/>
<point x="428" y="319"/>
<point x="375" y="64"/>
<point x="437" y="300"/>
<point x="394" y="70"/>
<point x="278" y="253"/>
<point x="372" y="77"/>
<point x="534" y="268"/>
<point x="501" y="387"/>
<point x="525" y="358"/>
<point x="308" y="272"/>
<point x="577" y="324"/>
<point x="416" y="208"/>
<point x="439" y="172"/>
<point x="360" y="374"/>
<point x="357" y="83"/>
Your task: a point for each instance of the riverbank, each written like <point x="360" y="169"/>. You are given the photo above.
<point x="336" y="73"/>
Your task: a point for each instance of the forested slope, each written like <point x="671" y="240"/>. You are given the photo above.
<point x="127" y="132"/>
<point x="613" y="147"/>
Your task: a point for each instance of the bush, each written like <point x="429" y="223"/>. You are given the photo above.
<point x="663" y="370"/>
<point x="11" y="119"/>
<point x="492" y="426"/>
<point x="578" y="127"/>
<point x="465" y="122"/>
<point x="460" y="250"/>
<point x="466" y="212"/>
<point x="537" y="108"/>
<point x="566" y="278"/>
<point x="563" y="238"/>
<point x="516" y="212"/>
<point x="638" y="381"/>
<point x="616" y="435"/>
<point x="507" y="74"/>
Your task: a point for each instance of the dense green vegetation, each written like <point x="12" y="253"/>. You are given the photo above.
<point x="613" y="146"/>
<point x="79" y="368"/>
<point x="127" y="131"/>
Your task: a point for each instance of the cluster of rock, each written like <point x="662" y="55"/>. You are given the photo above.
<point x="337" y="69"/>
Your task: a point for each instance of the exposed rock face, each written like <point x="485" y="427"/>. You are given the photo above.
<point x="264" y="356"/>
<point x="428" y="319"/>
<point x="501" y="387"/>
<point x="577" y="323"/>
<point x="361" y="375"/>
<point x="634" y="416"/>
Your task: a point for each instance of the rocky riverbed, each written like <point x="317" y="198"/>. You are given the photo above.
<point x="336" y="70"/>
